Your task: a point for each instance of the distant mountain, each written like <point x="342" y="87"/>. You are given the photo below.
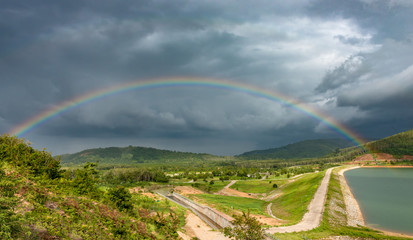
<point x="130" y="155"/>
<point x="303" y="149"/>
<point x="397" y="145"/>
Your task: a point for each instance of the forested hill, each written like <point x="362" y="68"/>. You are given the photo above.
<point x="303" y="149"/>
<point x="397" y="145"/>
<point x="130" y="155"/>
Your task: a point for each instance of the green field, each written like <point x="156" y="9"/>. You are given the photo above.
<point x="296" y="196"/>
<point x="257" y="186"/>
<point x="228" y="204"/>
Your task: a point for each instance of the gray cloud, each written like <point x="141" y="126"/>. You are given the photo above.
<point x="350" y="59"/>
<point x="349" y="72"/>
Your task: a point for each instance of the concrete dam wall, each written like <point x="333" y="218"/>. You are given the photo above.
<point x="220" y="219"/>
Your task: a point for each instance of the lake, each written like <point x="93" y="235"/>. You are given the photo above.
<point x="385" y="196"/>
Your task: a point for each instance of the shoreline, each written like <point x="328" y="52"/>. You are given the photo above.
<point x="401" y="166"/>
<point x="355" y="216"/>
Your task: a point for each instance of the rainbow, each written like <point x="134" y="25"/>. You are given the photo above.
<point x="54" y="111"/>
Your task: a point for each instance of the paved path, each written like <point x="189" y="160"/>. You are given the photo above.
<point x="269" y="211"/>
<point x="230" y="184"/>
<point x="312" y="218"/>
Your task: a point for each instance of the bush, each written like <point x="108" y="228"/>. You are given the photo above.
<point x="245" y="228"/>
<point x="121" y="197"/>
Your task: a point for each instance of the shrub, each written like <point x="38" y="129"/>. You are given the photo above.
<point x="121" y="197"/>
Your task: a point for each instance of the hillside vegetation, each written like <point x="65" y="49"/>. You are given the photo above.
<point x="304" y="149"/>
<point x="39" y="200"/>
<point x="131" y="155"/>
<point x="397" y="145"/>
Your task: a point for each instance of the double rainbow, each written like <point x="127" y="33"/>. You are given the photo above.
<point x="52" y="112"/>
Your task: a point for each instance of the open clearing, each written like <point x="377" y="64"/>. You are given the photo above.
<point x="257" y="186"/>
<point x="229" y="204"/>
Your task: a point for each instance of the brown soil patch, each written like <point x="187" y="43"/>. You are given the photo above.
<point x="235" y="193"/>
<point x="407" y="157"/>
<point x="383" y="156"/>
<point x="369" y="157"/>
<point x="148" y="194"/>
<point x="267" y="220"/>
<point x="135" y="190"/>
<point x="139" y="190"/>
<point x="195" y="227"/>
<point x="187" y="190"/>
<point x="380" y="157"/>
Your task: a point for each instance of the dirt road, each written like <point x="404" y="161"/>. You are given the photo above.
<point x="227" y="191"/>
<point x="230" y="184"/>
<point x="195" y="227"/>
<point x="313" y="217"/>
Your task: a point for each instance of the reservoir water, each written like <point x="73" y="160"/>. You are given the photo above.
<point x="385" y="196"/>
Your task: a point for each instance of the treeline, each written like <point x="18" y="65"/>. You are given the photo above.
<point x="228" y="173"/>
<point x="134" y="175"/>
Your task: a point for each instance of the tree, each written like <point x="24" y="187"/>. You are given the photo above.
<point x="85" y="179"/>
<point x="245" y="227"/>
<point x="121" y="197"/>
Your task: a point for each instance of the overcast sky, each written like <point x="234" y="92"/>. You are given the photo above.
<point x="352" y="60"/>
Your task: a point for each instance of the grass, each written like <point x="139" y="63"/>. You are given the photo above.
<point x="228" y="204"/>
<point x="204" y="186"/>
<point x="296" y="196"/>
<point x="257" y="186"/>
<point x="218" y="185"/>
<point x="334" y="220"/>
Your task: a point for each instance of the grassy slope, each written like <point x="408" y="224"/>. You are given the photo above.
<point x="296" y="196"/>
<point x="257" y="186"/>
<point x="226" y="204"/>
<point x="334" y="220"/>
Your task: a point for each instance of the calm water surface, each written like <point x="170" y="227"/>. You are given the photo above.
<point x="385" y="196"/>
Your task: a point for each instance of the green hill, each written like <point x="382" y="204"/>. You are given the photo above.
<point x="397" y="145"/>
<point x="303" y="149"/>
<point x="131" y="155"/>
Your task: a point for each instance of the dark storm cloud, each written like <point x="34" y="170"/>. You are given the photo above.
<point x="326" y="53"/>
<point x="350" y="71"/>
<point x="379" y="85"/>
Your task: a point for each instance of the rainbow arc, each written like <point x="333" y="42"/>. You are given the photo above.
<point x="41" y="118"/>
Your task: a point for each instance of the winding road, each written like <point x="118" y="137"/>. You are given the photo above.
<point x="311" y="219"/>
